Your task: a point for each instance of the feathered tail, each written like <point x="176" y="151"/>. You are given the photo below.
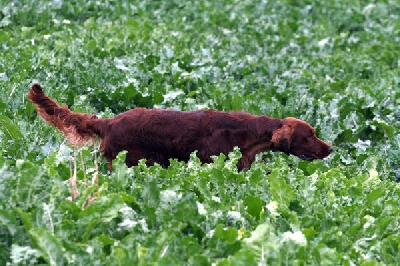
<point x="78" y="128"/>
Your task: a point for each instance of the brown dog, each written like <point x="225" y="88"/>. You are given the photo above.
<point x="159" y="135"/>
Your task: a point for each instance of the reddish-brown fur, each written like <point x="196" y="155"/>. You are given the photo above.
<point x="159" y="135"/>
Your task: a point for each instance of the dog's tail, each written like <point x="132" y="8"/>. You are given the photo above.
<point x="78" y="128"/>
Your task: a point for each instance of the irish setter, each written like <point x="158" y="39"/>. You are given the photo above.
<point x="158" y="135"/>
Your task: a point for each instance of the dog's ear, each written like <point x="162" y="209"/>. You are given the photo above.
<point x="282" y="138"/>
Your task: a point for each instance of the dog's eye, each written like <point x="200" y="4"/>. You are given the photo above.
<point x="307" y="140"/>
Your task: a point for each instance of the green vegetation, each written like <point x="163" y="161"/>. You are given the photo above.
<point x="335" y="64"/>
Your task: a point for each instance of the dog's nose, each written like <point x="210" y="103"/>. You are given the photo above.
<point x="330" y="149"/>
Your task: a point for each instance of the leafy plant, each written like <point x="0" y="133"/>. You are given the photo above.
<point x="331" y="63"/>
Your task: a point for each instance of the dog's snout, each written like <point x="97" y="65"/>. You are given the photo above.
<point x="330" y="149"/>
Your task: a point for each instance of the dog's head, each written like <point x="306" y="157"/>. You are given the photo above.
<point x="297" y="137"/>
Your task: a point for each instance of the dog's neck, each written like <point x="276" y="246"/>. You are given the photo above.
<point x="263" y="129"/>
<point x="266" y="127"/>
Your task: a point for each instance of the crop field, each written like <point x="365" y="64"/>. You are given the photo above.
<point x="332" y="63"/>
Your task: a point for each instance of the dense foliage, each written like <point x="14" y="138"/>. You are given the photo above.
<point x="335" y="64"/>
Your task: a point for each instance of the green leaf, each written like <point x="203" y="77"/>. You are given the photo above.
<point x="244" y="257"/>
<point x="106" y="208"/>
<point x="256" y="177"/>
<point x="151" y="200"/>
<point x="228" y="234"/>
<point x="23" y="255"/>
<point x="280" y="190"/>
<point x="83" y="197"/>
<point x="375" y="195"/>
<point x="237" y="102"/>
<point x="262" y="241"/>
<point x="71" y="208"/>
<point x="224" y="241"/>
<point x="28" y="176"/>
<point x="388" y="129"/>
<point x="254" y="206"/>
<point x="49" y="246"/>
<point x="198" y="260"/>
<point x="326" y="255"/>
<point x="120" y="257"/>
<point x="25" y="218"/>
<point x="90" y="226"/>
<point x="9" y="128"/>
<point x="9" y="221"/>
